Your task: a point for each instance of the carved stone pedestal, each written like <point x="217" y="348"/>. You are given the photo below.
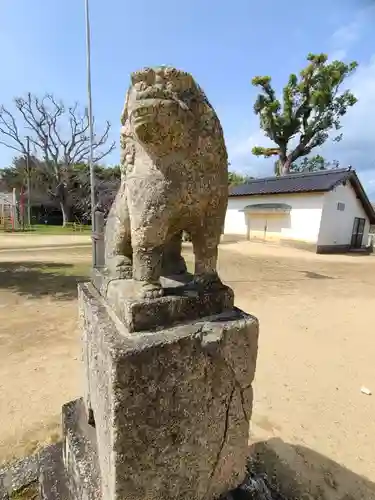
<point x="166" y="410"/>
<point x="171" y="406"/>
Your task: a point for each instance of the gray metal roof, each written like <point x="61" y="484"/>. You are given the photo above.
<point x="324" y="180"/>
<point x="306" y="182"/>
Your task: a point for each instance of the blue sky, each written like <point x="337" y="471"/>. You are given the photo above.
<point x="222" y="43"/>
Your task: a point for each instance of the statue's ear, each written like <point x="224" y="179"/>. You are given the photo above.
<point x="124" y="114"/>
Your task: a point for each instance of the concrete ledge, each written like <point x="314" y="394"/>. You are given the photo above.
<point x="80" y="453"/>
<point x="340" y="249"/>
<point x="332" y="249"/>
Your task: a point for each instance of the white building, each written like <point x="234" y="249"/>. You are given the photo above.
<point x="328" y="209"/>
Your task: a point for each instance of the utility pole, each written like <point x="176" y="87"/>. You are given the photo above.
<point x="94" y="236"/>
<point x="28" y="173"/>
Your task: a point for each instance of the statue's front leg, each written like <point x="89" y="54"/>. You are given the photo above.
<point x="147" y="270"/>
<point x="148" y="239"/>
<point x="118" y="250"/>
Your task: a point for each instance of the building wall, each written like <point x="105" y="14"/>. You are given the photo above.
<point x="337" y="226"/>
<point x="303" y="222"/>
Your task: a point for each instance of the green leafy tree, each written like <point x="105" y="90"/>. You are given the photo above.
<point x="312" y="106"/>
<point x="235" y="179"/>
<point x="16" y="175"/>
<point x="313" y="164"/>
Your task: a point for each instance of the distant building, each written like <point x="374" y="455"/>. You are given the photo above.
<point x="8" y="211"/>
<point x="328" y="209"/>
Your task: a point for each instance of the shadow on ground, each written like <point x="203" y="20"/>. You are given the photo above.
<point x="39" y="279"/>
<point x="297" y="472"/>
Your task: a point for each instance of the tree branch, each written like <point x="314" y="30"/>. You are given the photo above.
<point x="8" y="128"/>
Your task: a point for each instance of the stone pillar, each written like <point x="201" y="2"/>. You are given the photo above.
<point x="171" y="405"/>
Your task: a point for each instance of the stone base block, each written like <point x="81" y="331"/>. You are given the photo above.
<point x="80" y="453"/>
<point x="53" y="481"/>
<point x="172" y="406"/>
<point x="181" y="301"/>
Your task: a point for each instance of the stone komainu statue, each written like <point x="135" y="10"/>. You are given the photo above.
<point x="174" y="178"/>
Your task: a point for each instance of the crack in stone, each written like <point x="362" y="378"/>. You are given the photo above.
<point x="107" y="286"/>
<point x="239" y="387"/>
<point x="218" y="456"/>
<point x="216" y="353"/>
<point x="200" y="334"/>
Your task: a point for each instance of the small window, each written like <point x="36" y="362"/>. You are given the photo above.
<point x="340" y="206"/>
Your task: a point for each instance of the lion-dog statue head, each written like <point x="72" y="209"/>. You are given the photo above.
<point x="165" y="113"/>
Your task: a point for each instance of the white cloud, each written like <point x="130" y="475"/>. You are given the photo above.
<point x="337" y="55"/>
<point x="357" y="147"/>
<point x="241" y="158"/>
<point x="345" y="37"/>
<point x="347" y="34"/>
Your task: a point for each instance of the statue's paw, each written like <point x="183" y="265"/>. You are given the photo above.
<point x="120" y="268"/>
<point x="150" y="291"/>
<point x="207" y="281"/>
<point x="124" y="272"/>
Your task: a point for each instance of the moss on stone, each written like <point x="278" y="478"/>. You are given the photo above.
<point x="28" y="492"/>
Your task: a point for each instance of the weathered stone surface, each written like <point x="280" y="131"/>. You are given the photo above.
<point x="172" y="406"/>
<point x="174" y="178"/>
<point x="53" y="484"/>
<point x="180" y="303"/>
<point x="18" y="475"/>
<point x="32" y="473"/>
<point x="80" y="453"/>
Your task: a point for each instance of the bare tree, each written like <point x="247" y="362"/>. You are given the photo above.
<point x="59" y="135"/>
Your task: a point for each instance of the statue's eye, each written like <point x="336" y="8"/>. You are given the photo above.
<point x="139" y="86"/>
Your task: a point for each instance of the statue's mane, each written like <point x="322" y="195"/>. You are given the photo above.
<point x="211" y="138"/>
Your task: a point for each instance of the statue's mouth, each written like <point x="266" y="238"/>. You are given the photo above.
<point x="148" y="109"/>
<point x="142" y="114"/>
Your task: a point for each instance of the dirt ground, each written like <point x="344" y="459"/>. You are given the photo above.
<point x="316" y="351"/>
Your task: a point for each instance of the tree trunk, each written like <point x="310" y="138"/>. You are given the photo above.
<point x="62" y="196"/>
<point x="65" y="213"/>
<point x="284" y="166"/>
